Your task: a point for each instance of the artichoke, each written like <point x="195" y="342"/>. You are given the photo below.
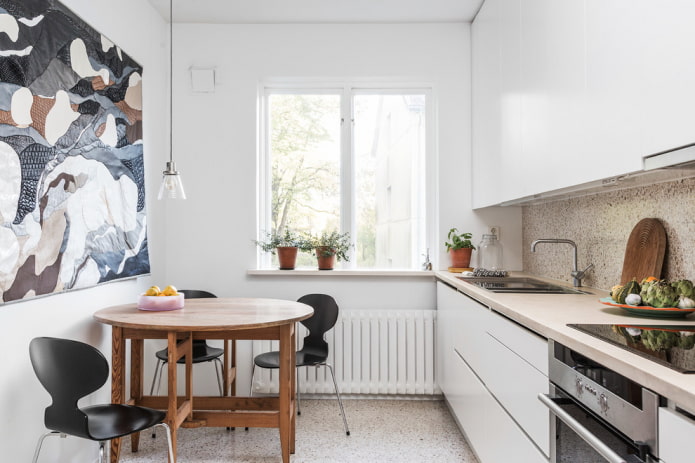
<point x="687" y="340"/>
<point x="657" y="340"/>
<point x="659" y="294"/>
<point x="684" y="288"/>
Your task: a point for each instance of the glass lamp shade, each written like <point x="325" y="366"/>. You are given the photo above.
<point x="171" y="187"/>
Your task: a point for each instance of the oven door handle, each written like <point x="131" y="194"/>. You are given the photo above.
<point x="598" y="445"/>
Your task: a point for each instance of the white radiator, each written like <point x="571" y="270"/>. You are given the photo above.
<point x="372" y="352"/>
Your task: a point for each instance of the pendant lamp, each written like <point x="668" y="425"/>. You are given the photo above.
<point x="171" y="187"/>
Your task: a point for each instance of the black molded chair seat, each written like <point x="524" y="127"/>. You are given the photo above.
<point x="305" y="358"/>
<point x="202" y="352"/>
<point x="116" y="420"/>
<point x="70" y="370"/>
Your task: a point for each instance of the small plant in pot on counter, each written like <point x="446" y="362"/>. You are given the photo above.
<point x="331" y="246"/>
<point x="285" y="245"/>
<point x="460" y="247"/>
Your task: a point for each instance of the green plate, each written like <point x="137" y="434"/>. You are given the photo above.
<point x="646" y="311"/>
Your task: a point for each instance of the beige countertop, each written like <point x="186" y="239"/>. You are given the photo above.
<point x="549" y="314"/>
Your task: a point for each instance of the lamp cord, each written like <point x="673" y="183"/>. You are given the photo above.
<point x="171" y="81"/>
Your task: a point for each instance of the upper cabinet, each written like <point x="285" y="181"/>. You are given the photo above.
<point x="573" y="91"/>
<point x="668" y="70"/>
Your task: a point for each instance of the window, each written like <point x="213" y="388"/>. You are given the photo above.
<point x="349" y="159"/>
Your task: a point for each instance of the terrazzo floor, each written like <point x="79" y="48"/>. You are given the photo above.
<point x="403" y="431"/>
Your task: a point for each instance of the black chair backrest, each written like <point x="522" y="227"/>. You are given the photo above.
<point x="324" y="318"/>
<point x="199" y="345"/>
<point x="68" y="370"/>
<point x="196" y="294"/>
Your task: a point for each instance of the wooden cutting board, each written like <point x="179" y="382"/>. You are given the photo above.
<point x="645" y="250"/>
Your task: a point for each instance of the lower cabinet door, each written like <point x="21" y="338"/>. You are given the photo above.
<point x="516" y="384"/>
<point x="494" y="436"/>
<point x="676" y="432"/>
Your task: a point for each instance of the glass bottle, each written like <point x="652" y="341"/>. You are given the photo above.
<point x="490" y="253"/>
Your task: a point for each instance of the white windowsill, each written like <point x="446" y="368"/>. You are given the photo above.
<point x="342" y="273"/>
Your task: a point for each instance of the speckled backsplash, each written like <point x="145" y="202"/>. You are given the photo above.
<point x="601" y="225"/>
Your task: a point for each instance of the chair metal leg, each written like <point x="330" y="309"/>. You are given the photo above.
<point x="340" y="401"/>
<point x="102" y="451"/>
<point x="253" y="372"/>
<point x="218" y="372"/>
<point x="154" y="378"/>
<point x="40" y="443"/>
<point x="299" y="408"/>
<point x="159" y="368"/>
<point x="170" y="447"/>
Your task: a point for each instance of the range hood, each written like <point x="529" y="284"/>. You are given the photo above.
<point x="665" y="166"/>
<point x="678" y="158"/>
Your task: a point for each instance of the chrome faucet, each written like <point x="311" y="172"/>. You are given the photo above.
<point x="576" y="274"/>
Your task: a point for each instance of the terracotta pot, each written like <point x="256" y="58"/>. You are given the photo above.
<point x="325" y="262"/>
<point x="287" y="257"/>
<point x="460" y="258"/>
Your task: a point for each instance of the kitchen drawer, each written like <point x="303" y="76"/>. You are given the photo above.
<point x="516" y="385"/>
<point x="676" y="432"/>
<point x="492" y="433"/>
<point x="469" y="336"/>
<point x="467" y="401"/>
<point x="525" y="343"/>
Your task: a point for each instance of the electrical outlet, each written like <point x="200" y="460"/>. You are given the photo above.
<point x="493" y="230"/>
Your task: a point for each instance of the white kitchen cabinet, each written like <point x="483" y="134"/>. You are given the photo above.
<point x="614" y="97"/>
<point x="447" y="305"/>
<point x="552" y="86"/>
<point x="668" y="73"/>
<point x="518" y="396"/>
<point x="487" y="122"/>
<point x="676" y="432"/>
<point x="489" y="385"/>
<point x="574" y="91"/>
<point x="496" y="101"/>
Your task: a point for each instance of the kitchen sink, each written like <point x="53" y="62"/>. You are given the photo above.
<point x="525" y="285"/>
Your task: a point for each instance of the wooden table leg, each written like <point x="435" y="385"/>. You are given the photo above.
<point x="117" y="380"/>
<point x="136" y="374"/>
<point x="287" y="370"/>
<point x="172" y="389"/>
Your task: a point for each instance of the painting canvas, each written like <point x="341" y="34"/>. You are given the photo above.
<point x="72" y="193"/>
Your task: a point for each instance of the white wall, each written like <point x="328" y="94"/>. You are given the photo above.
<point x="209" y="236"/>
<point x="139" y="31"/>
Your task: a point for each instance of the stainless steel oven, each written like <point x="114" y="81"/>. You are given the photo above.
<point x="598" y="415"/>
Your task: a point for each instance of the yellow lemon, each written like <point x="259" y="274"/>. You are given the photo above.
<point x="152" y="291"/>
<point x="170" y="291"/>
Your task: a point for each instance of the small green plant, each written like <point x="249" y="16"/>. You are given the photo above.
<point x="333" y="244"/>
<point x="289" y="238"/>
<point x="458" y="240"/>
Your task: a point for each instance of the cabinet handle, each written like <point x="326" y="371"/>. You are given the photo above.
<point x="598" y="445"/>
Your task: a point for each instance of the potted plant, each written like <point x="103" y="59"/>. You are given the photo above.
<point x="460" y="247"/>
<point x="331" y="246"/>
<point x="286" y="245"/>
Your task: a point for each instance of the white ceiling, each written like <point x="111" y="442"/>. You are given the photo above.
<point x="319" y="11"/>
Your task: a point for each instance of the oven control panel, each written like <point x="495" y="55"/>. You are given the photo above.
<point x="618" y="400"/>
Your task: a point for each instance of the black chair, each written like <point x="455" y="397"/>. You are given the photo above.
<point x="70" y="370"/>
<point x="202" y="352"/>
<point x="314" y="352"/>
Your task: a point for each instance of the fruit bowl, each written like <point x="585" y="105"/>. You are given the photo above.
<point x="158" y="303"/>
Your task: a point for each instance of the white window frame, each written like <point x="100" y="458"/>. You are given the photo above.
<point x="427" y="228"/>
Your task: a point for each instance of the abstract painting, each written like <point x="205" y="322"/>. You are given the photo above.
<point x="72" y="191"/>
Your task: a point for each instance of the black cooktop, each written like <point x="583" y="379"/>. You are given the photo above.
<point x="669" y="345"/>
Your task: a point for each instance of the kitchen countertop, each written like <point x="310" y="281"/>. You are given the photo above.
<point x="549" y="314"/>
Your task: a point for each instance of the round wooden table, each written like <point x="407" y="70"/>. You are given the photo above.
<point x="214" y="318"/>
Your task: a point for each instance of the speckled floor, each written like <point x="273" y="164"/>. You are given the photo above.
<point x="403" y="431"/>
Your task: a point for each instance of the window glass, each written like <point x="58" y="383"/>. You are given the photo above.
<point x="389" y="145"/>
<point x="379" y="139"/>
